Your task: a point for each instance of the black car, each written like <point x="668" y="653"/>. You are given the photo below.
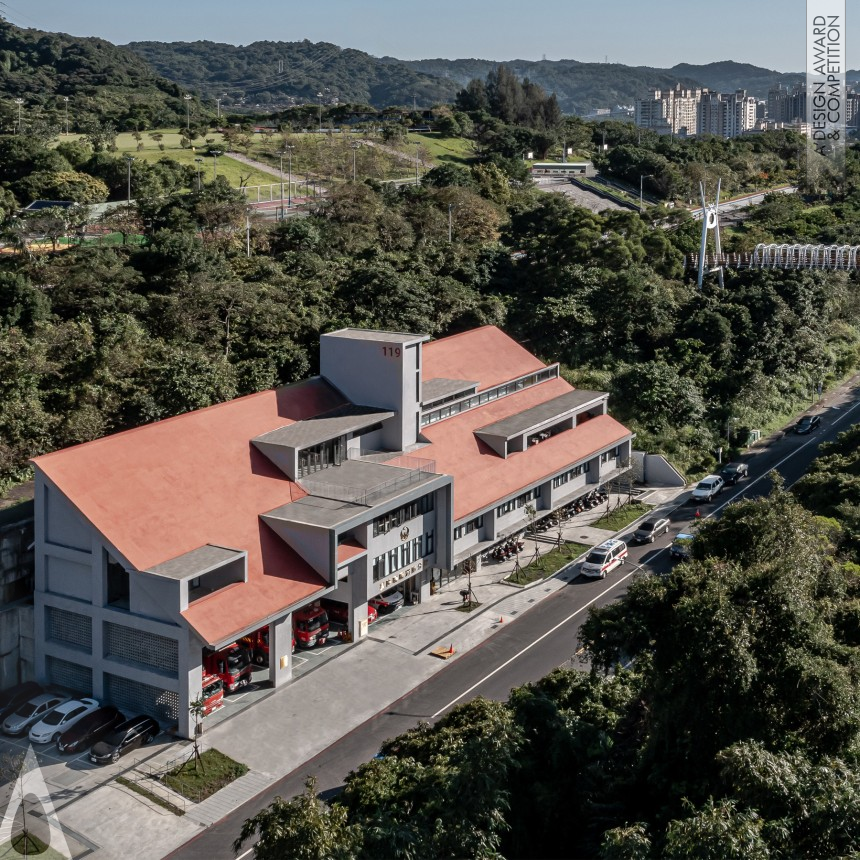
<point x="124" y="738"/>
<point x="87" y="731"/>
<point x="807" y="424"/>
<point x="733" y="472"/>
<point x="14" y="696"/>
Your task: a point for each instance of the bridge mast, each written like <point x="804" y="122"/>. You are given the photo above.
<point x="710" y="221"/>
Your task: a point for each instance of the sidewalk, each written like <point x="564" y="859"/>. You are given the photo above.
<point x="393" y="659"/>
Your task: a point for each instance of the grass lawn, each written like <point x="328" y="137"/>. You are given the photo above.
<point x="549" y="562"/>
<point x="196" y="782"/>
<point x="620" y="517"/>
<point x="451" y="149"/>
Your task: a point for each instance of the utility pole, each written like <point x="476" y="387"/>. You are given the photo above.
<point x="187" y="98"/>
<point x="198" y="162"/>
<point x="417" y="159"/>
<point x="320" y="97"/>
<point x="66" y="100"/>
<point x="354" y="147"/>
<point x="20" y="103"/>
<point x="215" y="154"/>
<point x="281" y="155"/>
<point x="218" y="106"/>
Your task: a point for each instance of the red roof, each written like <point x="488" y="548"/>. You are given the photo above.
<point x="482" y="477"/>
<point x="484" y="355"/>
<point x="162" y="490"/>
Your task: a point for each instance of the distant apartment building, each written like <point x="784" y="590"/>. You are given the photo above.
<point x="787" y="106"/>
<point x="726" y="114"/>
<point x="672" y="111"/>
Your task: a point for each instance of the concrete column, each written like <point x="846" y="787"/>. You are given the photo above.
<point x="280" y="650"/>
<point x="359" y="575"/>
<point x="190" y="680"/>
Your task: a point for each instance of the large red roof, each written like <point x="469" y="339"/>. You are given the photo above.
<point x="481" y="476"/>
<point x="485" y="355"/>
<point x="162" y="490"/>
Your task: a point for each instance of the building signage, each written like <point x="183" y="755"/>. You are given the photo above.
<point x="402" y="574"/>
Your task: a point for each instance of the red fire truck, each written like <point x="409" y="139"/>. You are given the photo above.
<point x="310" y="626"/>
<point x="213" y="693"/>
<point x="231" y="664"/>
<point x="257" y="644"/>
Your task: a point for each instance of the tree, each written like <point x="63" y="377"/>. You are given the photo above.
<point x="303" y="828"/>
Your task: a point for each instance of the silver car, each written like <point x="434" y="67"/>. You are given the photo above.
<point x="31" y="712"/>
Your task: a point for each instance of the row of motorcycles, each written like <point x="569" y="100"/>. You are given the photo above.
<point x="515" y="545"/>
<point x="508" y="549"/>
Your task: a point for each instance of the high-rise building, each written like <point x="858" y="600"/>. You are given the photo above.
<point x="672" y="111"/>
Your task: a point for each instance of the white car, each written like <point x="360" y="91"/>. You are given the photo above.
<point x="707" y="488"/>
<point x="50" y="727"/>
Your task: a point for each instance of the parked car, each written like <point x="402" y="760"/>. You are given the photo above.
<point x="604" y="558"/>
<point x="807" y="424"/>
<point x="731" y="473"/>
<point x="651" y="529"/>
<point x="385" y="603"/>
<point x="32" y="711"/>
<point x="89" y="729"/>
<point x="64" y="716"/>
<point x="14" y="696"/>
<point x="124" y="738"/>
<point x="707" y="488"/>
<point x="681" y="545"/>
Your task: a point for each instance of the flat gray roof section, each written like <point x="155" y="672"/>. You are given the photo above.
<point x="522" y="422"/>
<point x="364" y="482"/>
<point x="315" y="511"/>
<point x="196" y="562"/>
<point x="435" y="389"/>
<point x="338" y="422"/>
<point x="381" y="336"/>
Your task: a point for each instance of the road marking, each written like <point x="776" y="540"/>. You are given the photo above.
<point x="249" y="851"/>
<point x="532" y="644"/>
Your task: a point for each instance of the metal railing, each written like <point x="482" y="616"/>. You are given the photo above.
<point x="414" y="470"/>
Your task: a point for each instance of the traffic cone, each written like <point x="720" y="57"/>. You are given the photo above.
<point x="501" y="620"/>
<point x="451" y="649"/>
<point x="698" y="514"/>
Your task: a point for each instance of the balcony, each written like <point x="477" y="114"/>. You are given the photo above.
<point x="370" y="477"/>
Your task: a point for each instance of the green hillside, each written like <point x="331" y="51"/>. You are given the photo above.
<point x="101" y="81"/>
<point x="283" y="73"/>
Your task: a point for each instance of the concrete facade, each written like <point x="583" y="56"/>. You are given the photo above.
<point x="383" y="475"/>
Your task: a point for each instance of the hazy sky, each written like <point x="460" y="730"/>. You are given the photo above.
<point x="637" y="32"/>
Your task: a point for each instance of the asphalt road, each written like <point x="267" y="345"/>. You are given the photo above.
<point x="525" y="649"/>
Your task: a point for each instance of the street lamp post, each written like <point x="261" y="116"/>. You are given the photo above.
<point x="20" y="103"/>
<point x="320" y="97"/>
<point x="417" y="159"/>
<point x="198" y="162"/>
<point x="642" y="179"/>
<point x="289" y="148"/>
<point x="354" y="147"/>
<point x="215" y="154"/>
<point x="218" y="106"/>
<point x="187" y="98"/>
<point x="281" y="155"/>
<point x="66" y="100"/>
<point x="128" y="160"/>
<point x="729" y="430"/>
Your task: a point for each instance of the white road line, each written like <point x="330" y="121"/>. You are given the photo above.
<point x="532" y="644"/>
<point x="245" y="854"/>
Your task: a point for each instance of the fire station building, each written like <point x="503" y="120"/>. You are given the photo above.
<point x="399" y="465"/>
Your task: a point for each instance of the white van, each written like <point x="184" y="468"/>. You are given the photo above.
<point x="604" y="558"/>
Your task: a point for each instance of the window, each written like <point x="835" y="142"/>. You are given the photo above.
<point x="117" y="585"/>
<point x="606" y="456"/>
<point x="322" y="456"/>
<point x="379" y="567"/>
<point x="394" y="519"/>
<point x="428" y="543"/>
<point x="575" y="472"/>
<point x="530" y="496"/>
<point x="506" y="508"/>
<point x="469" y="527"/>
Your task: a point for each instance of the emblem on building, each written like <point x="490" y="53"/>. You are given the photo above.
<point x="404" y="533"/>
